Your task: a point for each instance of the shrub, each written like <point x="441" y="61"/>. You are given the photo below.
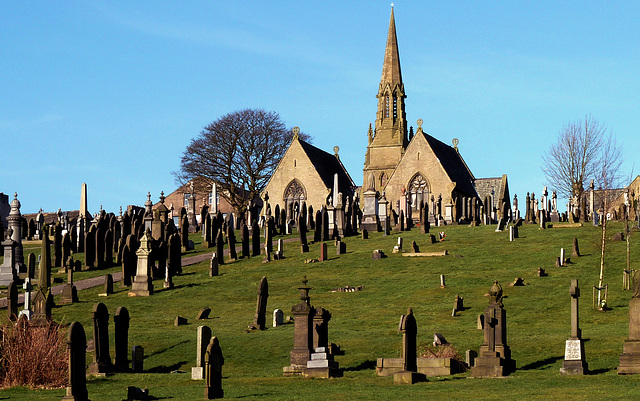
<point x="33" y="356"/>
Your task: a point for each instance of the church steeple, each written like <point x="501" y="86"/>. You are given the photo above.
<point x="391" y="117"/>
<point x="389" y="139"/>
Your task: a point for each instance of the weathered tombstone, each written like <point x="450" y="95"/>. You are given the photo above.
<point x="44" y="275"/>
<point x="213" y="361"/>
<point x="323" y="251"/>
<point x="365" y="233"/>
<point x="101" y="358"/>
<point x="576" y="249"/>
<point x="203" y="337"/>
<point x="142" y="283"/>
<point x="12" y="301"/>
<point x="31" y="265"/>
<point x="442" y="284"/>
<point x="231" y="240"/>
<point x="562" y="258"/>
<point x="280" y="252"/>
<point x="121" y="337"/>
<point x="42" y="305"/>
<point x="317" y="234"/>
<point x="100" y="251"/>
<point x="77" y="350"/>
<point x="108" y="248"/>
<point x="494" y="357"/>
<point x="203" y="314"/>
<point x="108" y="286"/>
<point x="137" y="359"/>
<point x="302" y="337"/>
<point x="213" y="265"/>
<point x="321" y="363"/>
<point x="398" y="247"/>
<point x="220" y="247"/>
<point x="630" y="358"/>
<point x="341" y="247"/>
<point x="414" y="247"/>
<point x="409" y="373"/>
<point x="255" y="239"/>
<point x="180" y="321"/>
<point x="574" y="361"/>
<point x="260" y="317"/>
<point x="512" y="231"/>
<point x="278" y="318"/>
<point x="377" y="254"/>
<point x="90" y="247"/>
<point x="69" y="291"/>
<point x="244" y="238"/>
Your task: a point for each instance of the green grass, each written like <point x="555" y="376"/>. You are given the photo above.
<point x="365" y="323"/>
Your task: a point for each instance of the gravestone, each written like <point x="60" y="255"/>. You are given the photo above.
<point x="323" y="251"/>
<point x="213" y="265"/>
<point x="90" y="247"/>
<point x="255" y="238"/>
<point x="341" y="247"/>
<point x="576" y="249"/>
<point x="414" y="247"/>
<point x="260" y="317"/>
<point x="409" y="373"/>
<point x="321" y="363"/>
<point x="66" y="248"/>
<point x="121" y="337"/>
<point x="108" y="286"/>
<point x="302" y="336"/>
<point x="203" y="314"/>
<point x="31" y="265"/>
<point x="365" y="233"/>
<point x="142" y="283"/>
<point x="44" y="274"/>
<point x="398" y="247"/>
<point x="630" y="358"/>
<point x="28" y="288"/>
<point x="244" y="238"/>
<point x="137" y="359"/>
<point x="128" y="265"/>
<point x="203" y="337"/>
<point x="377" y="254"/>
<point x="231" y="240"/>
<point x="12" y="301"/>
<point x="280" y="252"/>
<point x="442" y="284"/>
<point x="77" y="350"/>
<point x="562" y="257"/>
<point x="220" y="247"/>
<point x="42" y="305"/>
<point x="278" y="318"/>
<point x="302" y="232"/>
<point x="541" y="272"/>
<point x="69" y="291"/>
<point x="101" y="358"/>
<point x="213" y="361"/>
<point x="574" y="360"/>
<point x="494" y="356"/>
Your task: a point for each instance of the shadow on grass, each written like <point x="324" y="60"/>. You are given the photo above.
<point x="166" y="368"/>
<point x="541" y="363"/>
<point x="366" y="365"/>
<point x="166" y="349"/>
<point x="600" y="371"/>
<point x="256" y="395"/>
<point x="184" y="286"/>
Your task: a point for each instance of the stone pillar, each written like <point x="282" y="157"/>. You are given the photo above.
<point x="14" y="220"/>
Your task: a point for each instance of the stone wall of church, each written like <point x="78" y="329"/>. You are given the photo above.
<point x="296" y="165"/>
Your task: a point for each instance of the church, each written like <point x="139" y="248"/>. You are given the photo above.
<point x="415" y="168"/>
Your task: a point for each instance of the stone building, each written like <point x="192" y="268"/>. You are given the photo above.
<point x="307" y="174"/>
<point x="418" y="166"/>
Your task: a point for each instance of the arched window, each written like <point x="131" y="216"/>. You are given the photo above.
<point x="418" y="190"/>
<point x="383" y="181"/>
<point x="294" y="194"/>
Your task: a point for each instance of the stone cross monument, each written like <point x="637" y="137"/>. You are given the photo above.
<point x="574" y="361"/>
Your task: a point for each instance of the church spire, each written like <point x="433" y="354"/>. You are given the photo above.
<point x="391" y="67"/>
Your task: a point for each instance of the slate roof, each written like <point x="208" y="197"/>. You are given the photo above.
<point x="484" y="186"/>
<point x="327" y="165"/>
<point x="453" y="164"/>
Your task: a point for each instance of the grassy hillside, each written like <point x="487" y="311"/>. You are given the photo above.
<point x="365" y="323"/>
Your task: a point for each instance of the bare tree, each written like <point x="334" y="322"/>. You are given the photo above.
<point x="608" y="177"/>
<point x="574" y="159"/>
<point x="238" y="152"/>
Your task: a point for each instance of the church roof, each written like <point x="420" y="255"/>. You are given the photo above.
<point x="453" y="164"/>
<point x="327" y="165"/>
<point x="391" y="66"/>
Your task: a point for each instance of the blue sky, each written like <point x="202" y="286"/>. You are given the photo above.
<point x="111" y="92"/>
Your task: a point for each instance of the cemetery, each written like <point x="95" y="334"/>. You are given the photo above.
<point x="360" y="339"/>
<point x="311" y="287"/>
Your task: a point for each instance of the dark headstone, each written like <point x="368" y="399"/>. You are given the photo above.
<point x="576" y="249"/>
<point x="137" y="359"/>
<point x="213" y="361"/>
<point x="121" y="336"/>
<point x="409" y="330"/>
<point x="244" y="238"/>
<point x="101" y="358"/>
<point x="317" y="234"/>
<point x="12" y="301"/>
<point x="377" y="254"/>
<point x="31" y="265"/>
<point x="365" y="233"/>
<point x="323" y="251"/>
<point x="260" y="317"/>
<point x="255" y="238"/>
<point x="231" y="240"/>
<point x="77" y="350"/>
<point x="108" y="285"/>
<point x="203" y="314"/>
<point x="180" y="321"/>
<point x="220" y="247"/>
<point x="414" y="247"/>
